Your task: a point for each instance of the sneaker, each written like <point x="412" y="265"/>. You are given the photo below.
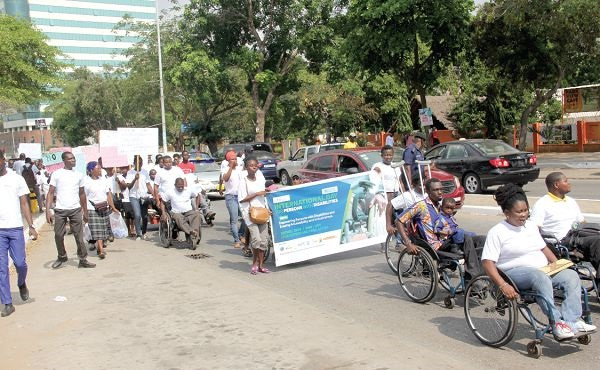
<point x="581" y="326"/>
<point x="59" y="261"/>
<point x="562" y="331"/>
<point x="86" y="264"/>
<point x="144" y="237"/>
<point x="7" y="310"/>
<point x="138" y="238"/>
<point x="24" y="292"/>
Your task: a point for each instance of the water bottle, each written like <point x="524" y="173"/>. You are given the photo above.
<point x="575" y="226"/>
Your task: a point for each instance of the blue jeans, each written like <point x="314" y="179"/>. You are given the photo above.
<point x="528" y="278"/>
<point x="140" y="215"/>
<point x="12" y="242"/>
<point x="233" y="207"/>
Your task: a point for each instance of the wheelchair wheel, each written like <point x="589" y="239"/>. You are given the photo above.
<point x="417" y="275"/>
<point x="450" y="277"/>
<point x="491" y="317"/>
<point x="392" y="252"/>
<point x="164" y="232"/>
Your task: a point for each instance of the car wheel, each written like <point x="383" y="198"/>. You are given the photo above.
<point x="285" y="178"/>
<point x="472" y="183"/>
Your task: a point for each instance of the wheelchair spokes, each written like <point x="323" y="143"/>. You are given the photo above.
<point x="418" y="275"/>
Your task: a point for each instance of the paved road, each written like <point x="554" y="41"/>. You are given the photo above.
<point x="149" y="307"/>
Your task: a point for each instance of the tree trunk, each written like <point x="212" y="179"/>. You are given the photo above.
<point x="260" y="123"/>
<point x="539" y="100"/>
<point x="212" y="146"/>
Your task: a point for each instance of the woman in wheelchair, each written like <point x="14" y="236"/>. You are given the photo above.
<point x="516" y="247"/>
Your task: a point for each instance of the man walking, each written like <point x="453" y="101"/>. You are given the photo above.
<point x="14" y="197"/>
<point x="71" y="205"/>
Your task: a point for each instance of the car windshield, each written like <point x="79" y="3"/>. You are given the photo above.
<point x="494" y="147"/>
<point x="206" y="167"/>
<point x="262" y="147"/>
<point x="370" y="158"/>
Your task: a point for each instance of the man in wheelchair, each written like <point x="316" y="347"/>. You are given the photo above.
<point x="424" y="214"/>
<point x="185" y="216"/>
<point x="515" y="247"/>
<point x="557" y="215"/>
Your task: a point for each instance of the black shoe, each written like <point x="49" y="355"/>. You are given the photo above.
<point x="24" y="292"/>
<point x="7" y="310"/>
<point x="59" y="261"/>
<point x="86" y="264"/>
<point x="92" y="247"/>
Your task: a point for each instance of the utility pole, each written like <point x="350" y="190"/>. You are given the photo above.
<point x="160" y="77"/>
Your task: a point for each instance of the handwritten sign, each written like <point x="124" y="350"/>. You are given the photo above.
<point x="50" y="159"/>
<point x="112" y="158"/>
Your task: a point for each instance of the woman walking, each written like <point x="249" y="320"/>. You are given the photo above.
<point x="100" y="203"/>
<point x="251" y="193"/>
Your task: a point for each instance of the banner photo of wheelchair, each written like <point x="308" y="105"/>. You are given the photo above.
<point x="327" y="217"/>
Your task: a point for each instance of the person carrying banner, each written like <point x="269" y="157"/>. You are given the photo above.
<point x="14" y="197"/>
<point x="251" y="193"/>
<point x="71" y="206"/>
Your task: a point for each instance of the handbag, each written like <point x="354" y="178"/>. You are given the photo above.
<point x="258" y="215"/>
<point x="100" y="207"/>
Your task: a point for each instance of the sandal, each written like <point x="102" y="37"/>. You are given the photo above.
<point x="254" y="270"/>
<point x="102" y="255"/>
<point x="264" y="270"/>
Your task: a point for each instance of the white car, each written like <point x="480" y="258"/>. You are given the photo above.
<point x="206" y="177"/>
<point x="288" y="168"/>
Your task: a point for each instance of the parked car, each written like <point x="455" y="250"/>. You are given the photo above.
<point x="338" y="163"/>
<point x="219" y="155"/>
<point x="205" y="175"/>
<point x="201" y="157"/>
<point x="480" y="163"/>
<point x="288" y="168"/>
<point x="267" y="163"/>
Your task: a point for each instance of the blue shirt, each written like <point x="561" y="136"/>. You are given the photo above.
<point x="412" y="154"/>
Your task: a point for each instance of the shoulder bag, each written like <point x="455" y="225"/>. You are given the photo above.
<point x="258" y="215"/>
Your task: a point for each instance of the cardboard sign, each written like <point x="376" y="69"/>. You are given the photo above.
<point x="61" y="149"/>
<point x="31" y="150"/>
<point x="112" y="158"/>
<point x="50" y="159"/>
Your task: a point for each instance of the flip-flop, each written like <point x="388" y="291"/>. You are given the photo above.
<point x="264" y="270"/>
<point x="254" y="270"/>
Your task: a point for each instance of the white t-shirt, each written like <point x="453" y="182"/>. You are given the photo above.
<point x="180" y="201"/>
<point x="166" y="179"/>
<point x="67" y="184"/>
<point x="246" y="187"/>
<point x="556" y="216"/>
<point x="511" y="246"/>
<point x="95" y="190"/>
<point x="139" y="189"/>
<point x="12" y="186"/>
<point x="125" y="192"/>
<point x="390" y="177"/>
<point x="231" y="186"/>
<point x="110" y="181"/>
<point x="407" y="199"/>
<point x="18" y="166"/>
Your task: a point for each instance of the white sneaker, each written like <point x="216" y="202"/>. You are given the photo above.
<point x="582" y="327"/>
<point x="138" y="238"/>
<point x="562" y="331"/>
<point x="144" y="237"/>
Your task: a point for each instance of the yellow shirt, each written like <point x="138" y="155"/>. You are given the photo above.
<point x="350" y="145"/>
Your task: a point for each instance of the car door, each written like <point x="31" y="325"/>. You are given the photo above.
<point x="296" y="162"/>
<point x="318" y="168"/>
<point x="346" y="165"/>
<point x="454" y="159"/>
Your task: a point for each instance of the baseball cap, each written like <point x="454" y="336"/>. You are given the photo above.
<point x="352" y="134"/>
<point x="420" y="135"/>
<point x="231" y="155"/>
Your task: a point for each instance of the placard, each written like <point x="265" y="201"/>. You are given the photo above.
<point x="327" y="217"/>
<point x="31" y="150"/>
<point x="112" y="158"/>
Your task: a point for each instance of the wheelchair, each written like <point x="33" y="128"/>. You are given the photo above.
<point x="168" y="231"/>
<point x="419" y="275"/>
<point x="583" y="268"/>
<point x="493" y="318"/>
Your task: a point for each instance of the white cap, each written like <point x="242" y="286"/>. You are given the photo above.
<point x="353" y="134"/>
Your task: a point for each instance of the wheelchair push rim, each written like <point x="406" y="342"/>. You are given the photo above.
<point x="491" y="317"/>
<point x="392" y="252"/>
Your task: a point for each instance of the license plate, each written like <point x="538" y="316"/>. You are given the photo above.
<point x="269" y="165"/>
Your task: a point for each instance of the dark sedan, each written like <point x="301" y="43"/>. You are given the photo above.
<point x="480" y="163"/>
<point x="336" y="163"/>
<point x="267" y="163"/>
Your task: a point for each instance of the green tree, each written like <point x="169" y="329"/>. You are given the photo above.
<point x="537" y="44"/>
<point x="88" y="103"/>
<point x="264" y="38"/>
<point x="29" y="66"/>
<point x="415" y="39"/>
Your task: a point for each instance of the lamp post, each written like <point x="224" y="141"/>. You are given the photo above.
<point x="160" y="77"/>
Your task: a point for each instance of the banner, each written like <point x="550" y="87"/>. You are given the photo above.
<point x="327" y="217"/>
<point x="111" y="157"/>
<point x="582" y="99"/>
